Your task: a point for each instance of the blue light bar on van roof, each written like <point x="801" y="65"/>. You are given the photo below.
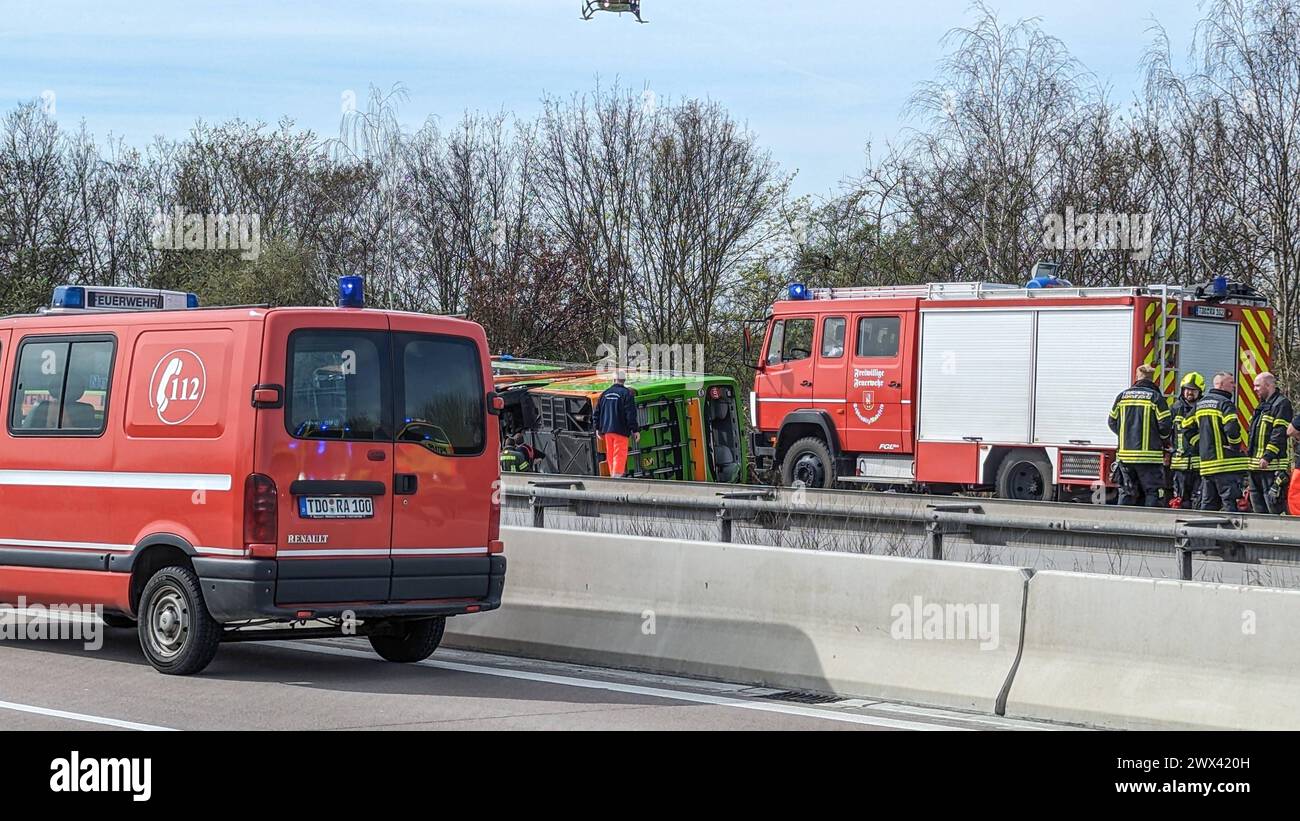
<point x="798" y="290"/>
<point x="352" y="291"/>
<point x="106" y="298"/>
<point x="68" y="296"/>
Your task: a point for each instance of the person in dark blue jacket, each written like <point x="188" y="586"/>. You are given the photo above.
<point x="616" y="422"/>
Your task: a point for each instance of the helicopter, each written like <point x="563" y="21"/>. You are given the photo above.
<point x="633" y="7"/>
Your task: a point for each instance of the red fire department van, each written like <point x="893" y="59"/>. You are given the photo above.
<point x="959" y="386"/>
<point x="204" y="471"/>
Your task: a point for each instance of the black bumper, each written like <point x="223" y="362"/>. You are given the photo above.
<point x="239" y="589"/>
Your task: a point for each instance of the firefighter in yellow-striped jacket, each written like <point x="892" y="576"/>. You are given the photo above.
<point x="1186" y="461"/>
<point x="1214" y="430"/>
<point x="1141" y="419"/>
<point x="1270" y="454"/>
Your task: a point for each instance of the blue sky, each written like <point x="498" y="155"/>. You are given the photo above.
<point x="815" y="80"/>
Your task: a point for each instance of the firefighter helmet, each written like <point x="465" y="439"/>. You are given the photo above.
<point x="1194" y="380"/>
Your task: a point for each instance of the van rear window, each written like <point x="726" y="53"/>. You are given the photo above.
<point x="441" y="393"/>
<point x="374" y="386"/>
<point x="339" y="385"/>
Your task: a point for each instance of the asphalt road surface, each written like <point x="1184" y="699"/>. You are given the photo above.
<point x="340" y="684"/>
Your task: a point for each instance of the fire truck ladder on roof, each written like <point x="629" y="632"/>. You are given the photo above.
<point x="990" y="290"/>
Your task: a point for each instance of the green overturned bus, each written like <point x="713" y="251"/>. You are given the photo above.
<point x="691" y="427"/>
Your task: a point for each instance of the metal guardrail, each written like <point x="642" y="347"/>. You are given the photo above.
<point x="1242" y="538"/>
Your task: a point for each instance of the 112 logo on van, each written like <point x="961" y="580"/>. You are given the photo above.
<point x="177" y="386"/>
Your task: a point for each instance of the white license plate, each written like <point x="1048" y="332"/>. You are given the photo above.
<point x="336" y="507"/>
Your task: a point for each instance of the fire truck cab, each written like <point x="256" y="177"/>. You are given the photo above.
<point x="200" y="472"/>
<point x="978" y="386"/>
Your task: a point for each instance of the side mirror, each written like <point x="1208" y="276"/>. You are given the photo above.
<point x="496" y="403"/>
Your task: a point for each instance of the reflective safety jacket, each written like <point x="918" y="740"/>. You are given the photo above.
<point x="1214" y="430"/>
<point x="1268" y="433"/>
<point x="1185" y="456"/>
<point x="1141" y="418"/>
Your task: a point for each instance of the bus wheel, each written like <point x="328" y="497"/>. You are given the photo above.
<point x="409" y="641"/>
<point x="177" y="634"/>
<point x="1026" y="475"/>
<point x="808" y="462"/>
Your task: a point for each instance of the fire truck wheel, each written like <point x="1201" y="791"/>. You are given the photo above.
<point x="808" y="461"/>
<point x="1025" y="474"/>
<point x="409" y="641"/>
<point x="177" y="634"/>
<point x="119" y="621"/>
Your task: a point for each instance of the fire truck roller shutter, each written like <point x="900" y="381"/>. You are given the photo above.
<point x="1085" y="358"/>
<point x="976" y="375"/>
<point x="1207" y="347"/>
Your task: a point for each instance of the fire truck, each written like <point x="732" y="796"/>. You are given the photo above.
<point x="956" y="386"/>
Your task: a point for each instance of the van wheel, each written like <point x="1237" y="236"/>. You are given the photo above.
<point x="409" y="641"/>
<point x="177" y="634"/>
<point x="119" y="621"/>
<point x="1025" y="475"/>
<point x="809" y="462"/>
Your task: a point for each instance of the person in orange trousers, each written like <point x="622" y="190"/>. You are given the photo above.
<point x="616" y="422"/>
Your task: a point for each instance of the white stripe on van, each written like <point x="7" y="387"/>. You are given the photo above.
<point x="106" y="547"/>
<point x="283" y="552"/>
<point x="116" y="479"/>
<point x="221" y="551"/>
<point x="101" y="546"/>
<point x="410" y="551"/>
<point x="355" y="551"/>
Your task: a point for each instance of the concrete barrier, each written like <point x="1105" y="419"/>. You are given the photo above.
<point x="1152" y="653"/>
<point x="942" y="633"/>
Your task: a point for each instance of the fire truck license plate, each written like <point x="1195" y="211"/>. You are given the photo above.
<point x="336" y="507"/>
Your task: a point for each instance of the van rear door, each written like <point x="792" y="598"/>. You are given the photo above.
<point x="445" y="459"/>
<point x="330" y="453"/>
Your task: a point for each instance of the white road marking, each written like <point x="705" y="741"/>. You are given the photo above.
<point x="637" y="690"/>
<point x="108" y="722"/>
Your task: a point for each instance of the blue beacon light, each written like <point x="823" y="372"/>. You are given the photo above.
<point x="352" y="291"/>
<point x="69" y="296"/>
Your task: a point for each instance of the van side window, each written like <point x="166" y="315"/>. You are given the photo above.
<point x="338" y="385"/>
<point x="833" y="337"/>
<point x="61" y="387"/>
<point x="441" y="394"/>
<point x="878" y="337"/>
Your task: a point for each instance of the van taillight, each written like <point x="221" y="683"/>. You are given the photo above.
<point x="261" y="510"/>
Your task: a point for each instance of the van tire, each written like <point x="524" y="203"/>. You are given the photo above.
<point x="808" y="460"/>
<point x="410" y="641"/>
<point x="177" y="634"/>
<point x="1027" y="475"/>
